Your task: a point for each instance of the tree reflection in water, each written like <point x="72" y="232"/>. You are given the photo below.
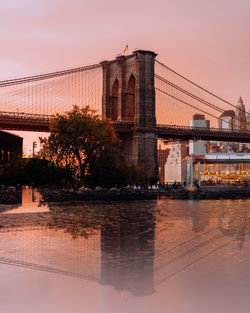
<point x="131" y="246"/>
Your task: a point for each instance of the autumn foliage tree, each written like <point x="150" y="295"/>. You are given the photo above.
<point x="87" y="145"/>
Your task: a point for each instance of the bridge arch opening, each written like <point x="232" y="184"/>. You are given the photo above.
<point x="112" y="110"/>
<point x="129" y="110"/>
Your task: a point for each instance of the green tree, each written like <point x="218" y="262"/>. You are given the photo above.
<point x="87" y="145"/>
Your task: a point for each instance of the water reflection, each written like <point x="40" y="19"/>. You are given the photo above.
<point x="29" y="202"/>
<point x="127" y="245"/>
<point x="134" y="247"/>
<point x="235" y="222"/>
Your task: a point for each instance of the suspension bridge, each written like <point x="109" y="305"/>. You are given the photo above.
<point x="143" y="97"/>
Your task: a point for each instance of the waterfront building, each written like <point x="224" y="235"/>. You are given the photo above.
<point x="227" y="120"/>
<point x="10" y="146"/>
<point x="162" y="159"/>
<point x="198" y="146"/>
<point x="174" y="167"/>
<point x="218" y="168"/>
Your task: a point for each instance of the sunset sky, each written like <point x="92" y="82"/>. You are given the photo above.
<point x="207" y="41"/>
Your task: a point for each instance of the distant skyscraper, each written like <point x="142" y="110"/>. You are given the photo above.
<point x="199" y="146"/>
<point x="240" y="115"/>
<point x="174" y="169"/>
<point x="199" y="121"/>
<point x="162" y="158"/>
<point x="248" y="120"/>
<point x="227" y="120"/>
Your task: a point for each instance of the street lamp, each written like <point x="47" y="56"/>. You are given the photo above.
<point x="34" y="146"/>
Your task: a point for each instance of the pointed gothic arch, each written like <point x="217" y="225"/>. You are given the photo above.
<point x="112" y="109"/>
<point x="129" y="110"/>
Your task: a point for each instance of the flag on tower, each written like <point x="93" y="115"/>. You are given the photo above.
<point x="125" y="50"/>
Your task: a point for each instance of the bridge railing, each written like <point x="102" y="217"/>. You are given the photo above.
<point x="201" y="133"/>
<point x="24" y="115"/>
<point x="203" y="129"/>
<point x="24" y="121"/>
<point x="122" y="125"/>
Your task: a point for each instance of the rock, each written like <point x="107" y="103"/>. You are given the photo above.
<point x="87" y="189"/>
<point x="115" y="189"/>
<point x="11" y="188"/>
<point x="82" y="188"/>
<point x="98" y="188"/>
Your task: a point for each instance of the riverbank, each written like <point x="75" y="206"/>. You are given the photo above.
<point x="11" y="196"/>
<point x="212" y="193"/>
<point x="100" y="194"/>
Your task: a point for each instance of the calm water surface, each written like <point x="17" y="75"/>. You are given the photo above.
<point x="164" y="256"/>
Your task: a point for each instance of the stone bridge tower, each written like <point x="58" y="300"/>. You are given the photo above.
<point x="129" y="96"/>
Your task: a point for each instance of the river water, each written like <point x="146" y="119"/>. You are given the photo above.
<point x="162" y="256"/>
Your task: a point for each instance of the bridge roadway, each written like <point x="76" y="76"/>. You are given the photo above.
<point x="40" y="123"/>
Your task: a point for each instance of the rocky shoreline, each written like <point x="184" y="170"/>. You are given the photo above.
<point x="211" y="194"/>
<point x="100" y="194"/>
<point x="130" y="194"/>
<point x="11" y="197"/>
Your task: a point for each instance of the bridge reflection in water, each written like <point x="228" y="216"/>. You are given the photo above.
<point x="133" y="247"/>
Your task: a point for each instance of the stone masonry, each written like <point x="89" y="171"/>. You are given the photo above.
<point x="129" y="96"/>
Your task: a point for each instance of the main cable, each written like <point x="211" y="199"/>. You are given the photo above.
<point x="196" y="85"/>
<point x="17" y="81"/>
<point x="213" y="106"/>
<point x="188" y="104"/>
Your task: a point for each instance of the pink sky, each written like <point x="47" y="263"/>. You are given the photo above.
<point x="207" y="41"/>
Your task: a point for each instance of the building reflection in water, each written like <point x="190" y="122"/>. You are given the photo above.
<point x="235" y="222"/>
<point x="27" y="201"/>
<point x="198" y="223"/>
<point x="127" y="244"/>
<point x="130" y="246"/>
<point x="111" y="244"/>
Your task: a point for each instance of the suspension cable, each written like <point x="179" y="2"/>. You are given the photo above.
<point x="196" y="85"/>
<point x="213" y="106"/>
<point x="188" y="104"/>
<point x="17" y="81"/>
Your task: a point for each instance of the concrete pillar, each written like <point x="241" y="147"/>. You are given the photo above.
<point x="199" y="173"/>
<point x="191" y="171"/>
<point x="186" y="171"/>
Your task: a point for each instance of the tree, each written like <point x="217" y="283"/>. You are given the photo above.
<point x="87" y="145"/>
<point x="27" y="171"/>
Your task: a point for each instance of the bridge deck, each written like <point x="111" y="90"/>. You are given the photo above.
<point x="36" y="122"/>
<point x="199" y="133"/>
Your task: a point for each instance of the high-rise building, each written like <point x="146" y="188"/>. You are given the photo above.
<point x="198" y="146"/>
<point x="11" y="146"/>
<point x="174" y="167"/>
<point x="240" y="115"/>
<point x="227" y="120"/>
<point x="248" y="120"/>
<point x="162" y="159"/>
